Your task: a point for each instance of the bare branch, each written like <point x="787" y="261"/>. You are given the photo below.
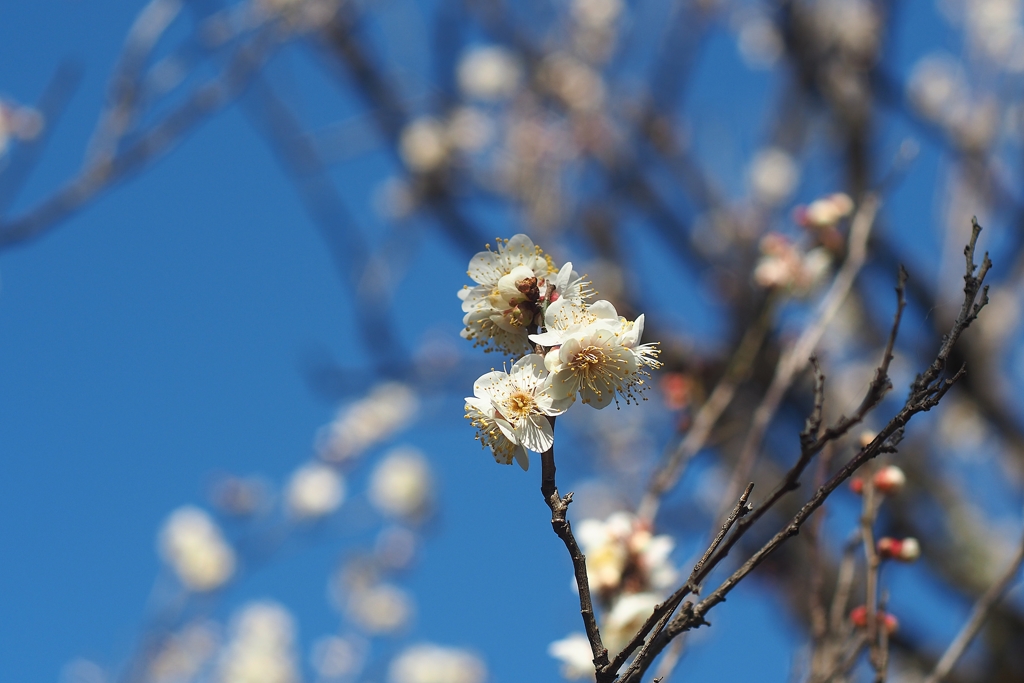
<point x="793" y="360"/>
<point x="559" y="505"/>
<point x="925" y="393"/>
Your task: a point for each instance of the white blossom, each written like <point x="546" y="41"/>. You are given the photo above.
<point x="514" y="283"/>
<point x="427" y="663"/>
<point x="380" y="608"/>
<point x="401" y="485"/>
<point x="489" y="73"/>
<point x="192" y="544"/>
<point x="389" y="407"/>
<point x="626" y="617"/>
<point x="315" y="490"/>
<point x="522" y="401"/>
<point x="184" y="653"/>
<point x="599" y="360"/>
<point x="576" y="655"/>
<point x="424" y="145"/>
<point x="785" y="266"/>
<point x="624" y="556"/>
<point x="262" y="647"/>
<point x="773" y="175"/>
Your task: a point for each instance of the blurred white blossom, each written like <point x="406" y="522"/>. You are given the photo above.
<point x="469" y="129"/>
<point x="576" y="83"/>
<point x="315" y="490"/>
<point x="427" y="663"/>
<point x="388" y="408"/>
<point x="184" y="653"/>
<point x="596" y="14"/>
<point x="759" y="42"/>
<point x="785" y="266"/>
<point x="937" y="85"/>
<point x="424" y="145"/>
<point x="576" y="656"/>
<point x="261" y="649"/>
<point x="336" y="658"/>
<point x="401" y="485"/>
<point x="193" y="546"/>
<point x="489" y="73"/>
<point x="380" y="608"/>
<point x="623" y="556"/>
<point x="773" y="175"/>
<point x="19" y="123"/>
<point x="626" y="617"/>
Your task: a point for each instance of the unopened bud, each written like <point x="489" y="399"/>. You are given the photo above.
<point x="866" y="437"/>
<point x="890" y="480"/>
<point x="904" y="550"/>
<point x="857" y="485"/>
<point x="824" y="212"/>
<point x="859" y="618"/>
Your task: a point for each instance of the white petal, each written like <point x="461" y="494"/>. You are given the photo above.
<point x="484" y="268"/>
<point x="535" y="433"/>
<point x="603" y="309"/>
<point x="522" y="458"/>
<point x="507" y="430"/>
<point x="548" y="338"/>
<point x="488" y="384"/>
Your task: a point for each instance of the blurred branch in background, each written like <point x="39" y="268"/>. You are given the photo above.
<point x="662" y="147"/>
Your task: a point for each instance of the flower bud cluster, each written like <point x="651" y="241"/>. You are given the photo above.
<point x="889" y="480"/>
<point x="825" y="212"/>
<point x="521" y="303"/>
<point x="859" y="618"/>
<point x="904" y="550"/>
<point x="784" y="265"/>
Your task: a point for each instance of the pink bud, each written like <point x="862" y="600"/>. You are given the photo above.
<point x="859" y="618"/>
<point x="857" y="485"/>
<point x="890" y="480"/>
<point x="905" y="550"/>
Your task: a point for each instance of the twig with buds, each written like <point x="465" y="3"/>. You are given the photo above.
<point x="926" y="391"/>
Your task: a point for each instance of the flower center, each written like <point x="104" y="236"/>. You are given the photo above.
<point x="521" y="404"/>
<point x="587" y="361"/>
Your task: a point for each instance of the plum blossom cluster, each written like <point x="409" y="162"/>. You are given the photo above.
<point x="570" y="347"/>
<point x="628" y="570"/>
<point x="798" y="270"/>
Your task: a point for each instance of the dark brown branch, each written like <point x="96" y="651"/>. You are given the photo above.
<point x="662" y="612"/>
<point x="926" y="392"/>
<point x="559" y="506"/>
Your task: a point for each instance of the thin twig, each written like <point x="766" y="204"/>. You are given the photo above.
<point x="740" y="364"/>
<point x="656" y="622"/>
<point x="979" y="614"/>
<point x="926" y="392"/>
<point x="559" y="505"/>
<point x="793" y="360"/>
